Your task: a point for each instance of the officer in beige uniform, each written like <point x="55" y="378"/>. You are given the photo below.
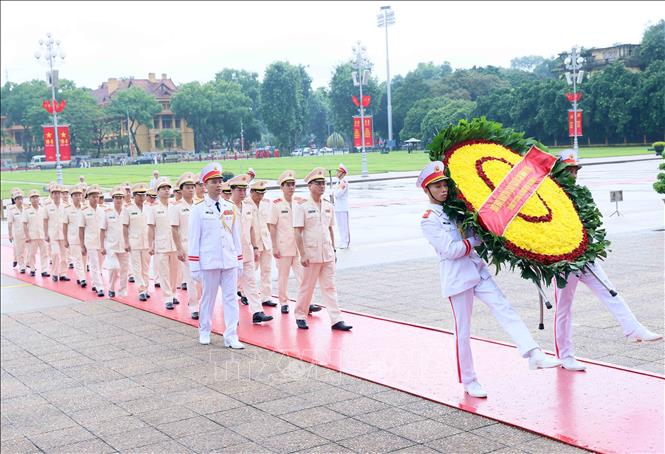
<point x="283" y="239"/>
<point x="135" y="231"/>
<point x="179" y="214"/>
<point x="247" y="282"/>
<point x="55" y="214"/>
<point x="160" y="239"/>
<point x="35" y="237"/>
<point x="200" y="191"/>
<point x="114" y="249"/>
<point x="262" y="237"/>
<point x="226" y="191"/>
<point x="16" y="230"/>
<point x="89" y="222"/>
<point x="70" y="227"/>
<point x="313" y="220"/>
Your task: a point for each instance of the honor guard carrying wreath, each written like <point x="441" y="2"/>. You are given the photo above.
<point x="215" y="256"/>
<point x="465" y="275"/>
<point x="597" y="281"/>
<point x="250" y="250"/>
<point x="341" y="200"/>
<point x="313" y="222"/>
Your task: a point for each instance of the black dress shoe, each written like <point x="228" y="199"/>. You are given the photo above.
<point x="84" y="284"/>
<point x="111" y="294"/>
<point x="22" y="271"/>
<point x="45" y="274"/>
<point x="131" y="279"/>
<point x="169" y="305"/>
<point x="195" y="315"/>
<point x="14" y="264"/>
<point x="302" y="324"/>
<point x="54" y="278"/>
<point x="314" y="308"/>
<point x="243" y="299"/>
<point x="175" y="301"/>
<point x="94" y="289"/>
<point x="157" y="285"/>
<point x="71" y="266"/>
<point x="285" y="309"/>
<point x="142" y="297"/>
<point x="32" y="273"/>
<point x="87" y="268"/>
<point x="100" y="293"/>
<point x="65" y="278"/>
<point x="259" y="317"/>
<point x="78" y="282"/>
<point x="269" y="303"/>
<point x="147" y="295"/>
<point x="341" y="326"/>
<point x="183" y="286"/>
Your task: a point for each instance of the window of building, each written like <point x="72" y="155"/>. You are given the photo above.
<point x="158" y="124"/>
<point x="166" y="122"/>
<point x="177" y="123"/>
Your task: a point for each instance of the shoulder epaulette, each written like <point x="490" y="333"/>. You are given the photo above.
<point x="196" y="203"/>
<point x="276" y="200"/>
<point x="426" y="214"/>
<point x="301" y="201"/>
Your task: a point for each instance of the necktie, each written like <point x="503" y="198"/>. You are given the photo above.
<point x="217" y="205"/>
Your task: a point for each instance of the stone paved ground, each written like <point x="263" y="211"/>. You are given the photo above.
<point x="104" y="377"/>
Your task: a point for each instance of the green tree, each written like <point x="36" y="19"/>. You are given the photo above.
<point x="193" y="102"/>
<point x="527" y="63"/>
<point x="416" y="113"/>
<point x="285" y="93"/>
<point x="170" y="138"/>
<point x="651" y="100"/>
<point x="82" y="112"/>
<point x="139" y="105"/>
<point x="249" y="83"/>
<point x="652" y="47"/>
<point x="22" y="104"/>
<point x="318" y="115"/>
<point x="440" y="117"/>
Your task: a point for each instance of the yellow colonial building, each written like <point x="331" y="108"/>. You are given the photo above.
<point x="151" y="139"/>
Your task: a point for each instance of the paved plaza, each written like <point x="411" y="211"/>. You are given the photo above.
<point x="100" y="376"/>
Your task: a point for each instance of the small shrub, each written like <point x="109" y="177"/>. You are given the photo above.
<point x="659" y="147"/>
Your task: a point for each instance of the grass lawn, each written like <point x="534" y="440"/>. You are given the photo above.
<point x="108" y="177"/>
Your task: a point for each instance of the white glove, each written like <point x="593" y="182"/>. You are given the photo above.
<point x="474" y="241"/>
<point x="196" y="275"/>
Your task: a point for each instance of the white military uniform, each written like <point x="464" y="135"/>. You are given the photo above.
<point x="341" y="194"/>
<point x="463" y="276"/>
<point x="137" y="235"/>
<point x="114" y="244"/>
<point x="55" y="215"/>
<point x="247" y="282"/>
<point x="166" y="259"/>
<point x="215" y="253"/>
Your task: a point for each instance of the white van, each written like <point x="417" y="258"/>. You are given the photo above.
<point x="39" y="162"/>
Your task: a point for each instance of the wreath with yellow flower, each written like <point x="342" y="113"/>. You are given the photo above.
<point x="556" y="232"/>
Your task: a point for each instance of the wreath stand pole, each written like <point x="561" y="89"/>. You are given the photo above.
<point x="607" y="287"/>
<point x="541" y="325"/>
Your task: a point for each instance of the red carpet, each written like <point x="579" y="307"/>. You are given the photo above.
<point x="606" y="409"/>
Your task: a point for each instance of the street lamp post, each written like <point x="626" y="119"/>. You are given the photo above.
<point x="573" y="63"/>
<point x="358" y="79"/>
<point x="49" y="52"/>
<point x="384" y="18"/>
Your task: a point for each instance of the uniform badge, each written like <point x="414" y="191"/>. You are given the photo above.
<point x="426" y="214"/>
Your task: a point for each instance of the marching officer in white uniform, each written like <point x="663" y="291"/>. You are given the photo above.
<point x="215" y="256"/>
<point x="465" y="275"/>
<point x="70" y="226"/>
<point x="35" y="236"/>
<point x="135" y="232"/>
<point x="16" y="231"/>
<point x="341" y="201"/>
<point x="114" y="249"/>
<point x="55" y="213"/>
<point x="563" y="297"/>
<point x="89" y="222"/>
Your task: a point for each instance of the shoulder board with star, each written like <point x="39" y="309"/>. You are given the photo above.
<point x="426" y="214"/>
<point x="276" y="200"/>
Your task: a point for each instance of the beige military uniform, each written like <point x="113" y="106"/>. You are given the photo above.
<point x="264" y="243"/>
<point x="55" y="215"/>
<point x="33" y="218"/>
<point x="114" y="245"/>
<point x="179" y="214"/>
<point x="17" y="234"/>
<point x="247" y="282"/>
<point x="316" y="221"/>
<point x="72" y="220"/>
<point x="90" y="221"/>
<point x="281" y="216"/>
<point x="135" y="221"/>
<point x="165" y="251"/>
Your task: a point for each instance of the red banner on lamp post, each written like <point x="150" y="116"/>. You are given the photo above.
<point x="571" y="123"/>
<point x="356" y="132"/>
<point x="369" y="132"/>
<point x="49" y="143"/>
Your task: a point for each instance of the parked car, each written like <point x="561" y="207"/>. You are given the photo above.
<point x="143" y="159"/>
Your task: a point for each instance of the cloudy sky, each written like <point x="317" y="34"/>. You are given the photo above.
<point x="193" y="40"/>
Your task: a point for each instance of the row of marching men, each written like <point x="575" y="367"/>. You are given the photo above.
<point x="143" y="231"/>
